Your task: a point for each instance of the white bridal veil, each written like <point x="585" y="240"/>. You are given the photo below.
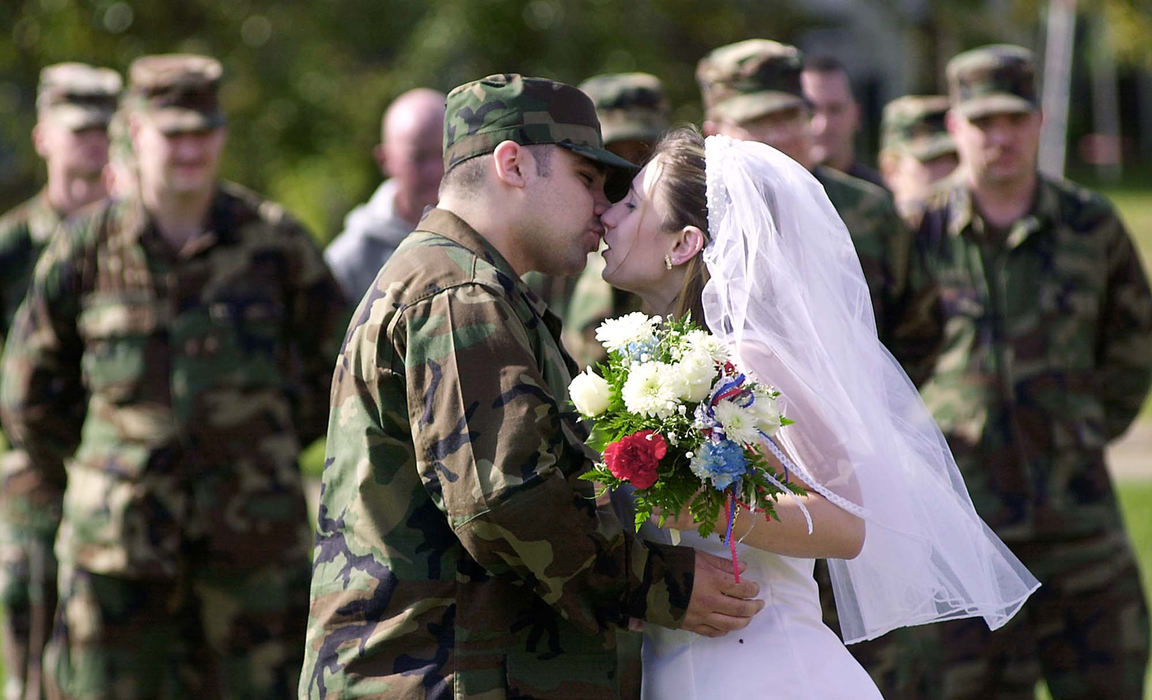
<point x="787" y="291"/>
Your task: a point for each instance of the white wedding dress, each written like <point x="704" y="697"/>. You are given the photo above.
<point x="785" y="652"/>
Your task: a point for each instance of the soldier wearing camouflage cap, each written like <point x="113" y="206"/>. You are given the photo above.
<point x="752" y="90"/>
<point x="916" y="149"/>
<point x="633" y="110"/>
<point x="457" y="551"/>
<point x="173" y="354"/>
<point x="1045" y="325"/>
<point x="74" y="104"/>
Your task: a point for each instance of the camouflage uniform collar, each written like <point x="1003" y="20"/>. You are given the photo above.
<point x="965" y="219"/>
<point x="445" y="223"/>
<point x="220" y="226"/>
<point x="42" y="218"/>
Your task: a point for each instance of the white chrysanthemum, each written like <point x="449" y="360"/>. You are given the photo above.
<point x="696" y="370"/>
<point x="618" y="333"/>
<point x="651" y="390"/>
<point x="739" y="424"/>
<point x="590" y="393"/>
<point x="706" y="342"/>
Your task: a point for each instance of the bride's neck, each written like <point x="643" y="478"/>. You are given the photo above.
<point x="664" y="300"/>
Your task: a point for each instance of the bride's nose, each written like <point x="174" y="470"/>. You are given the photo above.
<point x="608" y="218"/>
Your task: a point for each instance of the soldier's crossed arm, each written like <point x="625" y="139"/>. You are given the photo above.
<point x="42" y="400"/>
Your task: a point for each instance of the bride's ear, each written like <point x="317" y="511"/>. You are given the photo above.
<point x="689" y="242"/>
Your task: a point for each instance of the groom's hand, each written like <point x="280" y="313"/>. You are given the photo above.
<point x="719" y="605"/>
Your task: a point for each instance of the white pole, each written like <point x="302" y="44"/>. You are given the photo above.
<point x="1057" y="80"/>
<point x="1106" y="104"/>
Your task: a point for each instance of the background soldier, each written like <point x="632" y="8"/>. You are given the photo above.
<point x="1046" y="321"/>
<point x="74" y="105"/>
<point x="458" y="553"/>
<point x="197" y="323"/>
<point x="409" y="155"/>
<point x="751" y="90"/>
<point x="835" y="117"/>
<point x="916" y="149"/>
<point x="634" y="113"/>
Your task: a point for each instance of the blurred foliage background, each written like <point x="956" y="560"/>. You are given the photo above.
<point x="306" y="82"/>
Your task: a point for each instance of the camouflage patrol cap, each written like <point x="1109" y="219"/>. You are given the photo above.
<point x="480" y="115"/>
<point x="178" y="92"/>
<point x="991" y="79"/>
<point x="77" y="95"/>
<point x="749" y="79"/>
<point x="631" y="106"/>
<point x="914" y="125"/>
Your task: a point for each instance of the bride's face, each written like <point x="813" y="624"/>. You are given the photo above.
<point x="635" y="244"/>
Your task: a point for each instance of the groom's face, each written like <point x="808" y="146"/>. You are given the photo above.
<point x="567" y="197"/>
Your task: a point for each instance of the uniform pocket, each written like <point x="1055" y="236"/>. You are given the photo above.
<point x="118" y="330"/>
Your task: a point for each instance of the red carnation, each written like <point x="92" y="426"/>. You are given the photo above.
<point x="636" y="458"/>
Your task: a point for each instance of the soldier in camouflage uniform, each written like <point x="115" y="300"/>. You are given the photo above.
<point x="174" y="352"/>
<point x="1046" y="320"/>
<point x="74" y="105"/>
<point x="634" y="113"/>
<point x="752" y="90"/>
<point x="457" y="553"/>
<point x="916" y="149"/>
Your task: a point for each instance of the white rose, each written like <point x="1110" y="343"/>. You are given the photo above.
<point x="696" y="370"/>
<point x="766" y="413"/>
<point x="590" y="393"/>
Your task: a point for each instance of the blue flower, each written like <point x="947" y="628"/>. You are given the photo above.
<point x="641" y="350"/>
<point x="721" y="462"/>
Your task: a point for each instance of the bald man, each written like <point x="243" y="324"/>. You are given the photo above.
<point x="410" y="156"/>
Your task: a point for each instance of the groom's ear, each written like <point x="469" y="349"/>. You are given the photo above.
<point x="689" y="243"/>
<point x="509" y="159"/>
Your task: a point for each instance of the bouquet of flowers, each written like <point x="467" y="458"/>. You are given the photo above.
<point x="674" y="417"/>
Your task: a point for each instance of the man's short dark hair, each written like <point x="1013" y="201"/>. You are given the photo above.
<point x="824" y="63"/>
<point x="467" y="176"/>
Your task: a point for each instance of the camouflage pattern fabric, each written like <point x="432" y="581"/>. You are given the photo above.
<point x="890" y="264"/>
<point x="178" y="388"/>
<point x="24" y="233"/>
<point x="1047" y="330"/>
<point x="592" y="301"/>
<point x="482" y="114"/>
<point x="457" y="554"/>
<point x="29" y="502"/>
<point x="1085" y="631"/>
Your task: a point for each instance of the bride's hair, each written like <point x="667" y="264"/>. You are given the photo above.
<point x="682" y="188"/>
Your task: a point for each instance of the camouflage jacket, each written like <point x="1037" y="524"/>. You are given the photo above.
<point x="884" y="243"/>
<point x="28" y="495"/>
<point x="201" y="372"/>
<point x="457" y="554"/>
<point x="1047" y="355"/>
<point x="24" y="232"/>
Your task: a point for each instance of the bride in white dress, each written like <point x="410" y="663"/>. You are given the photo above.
<point x="745" y="239"/>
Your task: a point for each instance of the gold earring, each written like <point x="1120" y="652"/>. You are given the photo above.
<point x="668" y="262"/>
